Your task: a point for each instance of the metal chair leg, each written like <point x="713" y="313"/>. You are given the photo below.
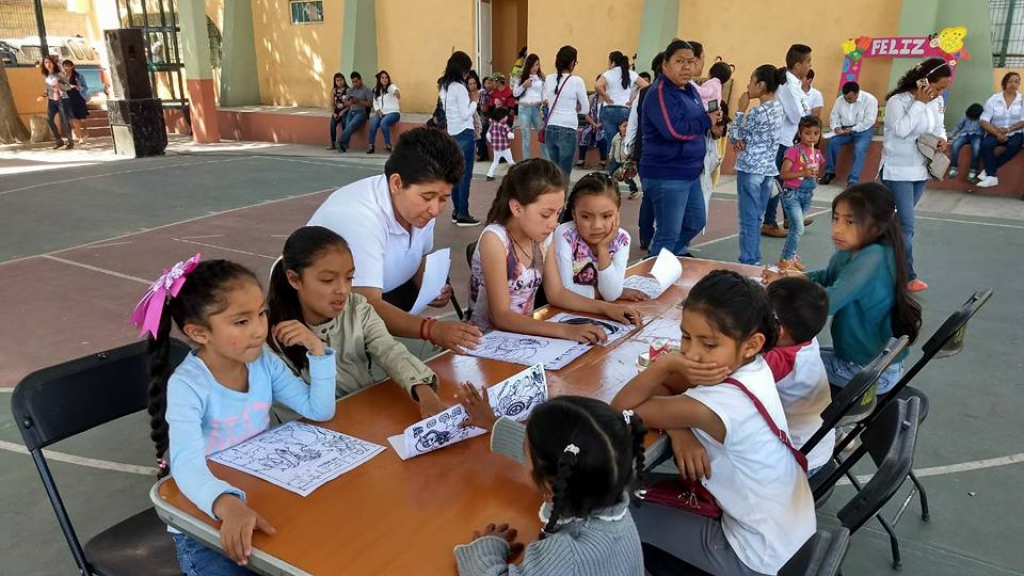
<point x="925" y="513"/>
<point x="894" y="543"/>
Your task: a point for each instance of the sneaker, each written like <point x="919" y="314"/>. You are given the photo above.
<point x="972" y="176"/>
<point x="455" y="217"/>
<point x="331" y="147"/>
<point x="490" y="178"/>
<point x="953" y="171"/>
<point x="635" y="194"/>
<point x="916" y="285"/>
<point x="772" y="231"/>
<point x="982" y="175"/>
<point x="466" y="221"/>
<point x="988" y="182"/>
<point x="341" y="149"/>
<point x="827" y="179"/>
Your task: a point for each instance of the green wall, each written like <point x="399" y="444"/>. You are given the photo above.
<point x="238" y="79"/>
<point x="359" y="39"/>
<point x="657" y="28"/>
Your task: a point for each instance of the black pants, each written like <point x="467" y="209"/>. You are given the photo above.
<point x="403" y="297"/>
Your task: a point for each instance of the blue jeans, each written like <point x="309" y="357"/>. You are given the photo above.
<point x="753" y="191"/>
<point x="972" y="140"/>
<point x="196" y="559"/>
<point x="54" y="107"/>
<point x="612" y="167"/>
<point x="530" y="118"/>
<point x="335" y="122"/>
<point x="772" y="206"/>
<point x="561" y="147"/>
<point x="385" y="123"/>
<point x="840" y="372"/>
<point x="354" y="120"/>
<point x="796" y="203"/>
<point x="988" y="151"/>
<point x="602" y="150"/>
<point x="646" y="222"/>
<point x="460" y="195"/>
<point x="861" y="141"/>
<point x="611" y="118"/>
<point x="678" y="207"/>
<point x="906" y="195"/>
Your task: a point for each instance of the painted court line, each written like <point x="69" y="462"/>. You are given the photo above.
<point x="82" y="461"/>
<point x="168" y="225"/>
<point x="214" y="246"/>
<point x="119" y="173"/>
<point x="98" y="269"/>
<point x="956" y="468"/>
<point x="991" y="224"/>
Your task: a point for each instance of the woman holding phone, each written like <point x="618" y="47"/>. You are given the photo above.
<point x="914" y="108"/>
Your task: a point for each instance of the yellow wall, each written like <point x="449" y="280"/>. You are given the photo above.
<point x="296" y="62"/>
<point x="508" y="32"/>
<point x="997" y="77"/>
<point x="26" y="86"/>
<point x="749" y="33"/>
<point x="594" y="28"/>
<point x="413" y="45"/>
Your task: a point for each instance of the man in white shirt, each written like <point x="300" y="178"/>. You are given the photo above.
<point x="814" y="98"/>
<point x="852" y="121"/>
<point x="795" y="105"/>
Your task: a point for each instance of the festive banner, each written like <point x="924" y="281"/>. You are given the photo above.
<point x="947" y="44"/>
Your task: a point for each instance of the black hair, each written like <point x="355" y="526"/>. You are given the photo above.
<point x="459" y="64"/>
<point x="619" y="59"/>
<point x="565" y="61"/>
<point x="522" y="52"/>
<point x="379" y="88"/>
<point x="426" y="155"/>
<point x="657" y="62"/>
<point x="720" y="70"/>
<point x="800" y="305"/>
<point x="974" y="111"/>
<point x="524" y="183"/>
<point x="204" y="293"/>
<point x="304" y="247"/>
<point x="589" y="453"/>
<point x="1003" y="82"/>
<point x="771" y="76"/>
<point x="851" y="87"/>
<point x="874" y="208"/>
<point x="646" y="76"/>
<point x="934" y="69"/>
<point x="527" y="66"/>
<point x="698" y="48"/>
<point x="796" y="54"/>
<point x="472" y="75"/>
<point x="675" y="46"/>
<point x="355" y="76"/>
<point x="736" y="305"/>
<point x="593" y="184"/>
<point x="337" y="75"/>
<point x="499" y="113"/>
<point x="810" y="74"/>
<point x="809" y="121"/>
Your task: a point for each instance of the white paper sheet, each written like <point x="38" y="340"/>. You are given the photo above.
<point x="513" y="398"/>
<point x="615" y="331"/>
<point x="521" y="348"/>
<point x="435" y="276"/>
<point x="664" y="273"/>
<point x="298" y="457"/>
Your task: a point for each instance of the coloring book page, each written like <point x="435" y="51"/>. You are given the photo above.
<point x="615" y="331"/>
<point x="664" y="273"/>
<point x="513" y="398"/>
<point x="298" y="457"/>
<point x="521" y="348"/>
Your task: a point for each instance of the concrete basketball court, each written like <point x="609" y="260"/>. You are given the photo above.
<point x="82" y="235"/>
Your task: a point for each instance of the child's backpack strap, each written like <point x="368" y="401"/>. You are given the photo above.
<point x="798" y="455"/>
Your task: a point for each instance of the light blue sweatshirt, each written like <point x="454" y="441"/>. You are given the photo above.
<point x="205" y="417"/>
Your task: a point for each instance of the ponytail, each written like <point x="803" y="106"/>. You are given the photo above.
<point x="771" y="76"/>
<point x="619" y="59"/>
<point x="159" y="351"/>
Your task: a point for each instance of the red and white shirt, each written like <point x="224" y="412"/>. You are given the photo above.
<point x="803" y="388"/>
<point x="499" y="135"/>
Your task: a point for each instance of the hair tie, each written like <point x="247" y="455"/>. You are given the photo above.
<point x="161" y="464"/>
<point x="572" y="449"/>
<point x="627" y="415"/>
<point x="148" y="311"/>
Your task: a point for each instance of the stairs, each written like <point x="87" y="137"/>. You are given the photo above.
<point x="97" y="125"/>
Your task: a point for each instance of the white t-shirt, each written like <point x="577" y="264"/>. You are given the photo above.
<point x="386" y="255"/>
<point x="803" y="388"/>
<point x="815" y="98"/>
<point x="620" y="96"/>
<point x="767" y="505"/>
<point x="572" y="97"/>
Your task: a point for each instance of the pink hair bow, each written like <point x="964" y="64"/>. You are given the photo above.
<point x="148" y="311"/>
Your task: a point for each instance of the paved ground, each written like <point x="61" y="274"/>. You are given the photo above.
<point x="82" y="233"/>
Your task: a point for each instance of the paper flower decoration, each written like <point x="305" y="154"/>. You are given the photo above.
<point x="863" y="43"/>
<point x="849" y="46"/>
<point x="952" y="39"/>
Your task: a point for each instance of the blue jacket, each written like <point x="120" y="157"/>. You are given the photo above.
<point x="674" y="125"/>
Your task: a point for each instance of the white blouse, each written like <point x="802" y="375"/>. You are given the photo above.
<point x="998" y="114"/>
<point x="532" y="94"/>
<point x="572" y="98"/>
<point x="906" y="118"/>
<point x="387" y="103"/>
<point x="458" y="108"/>
<point x="620" y="96"/>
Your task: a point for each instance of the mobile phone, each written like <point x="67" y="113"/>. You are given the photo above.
<point x="713" y="106"/>
<point x="922" y="83"/>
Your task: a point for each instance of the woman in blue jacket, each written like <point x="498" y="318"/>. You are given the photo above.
<point x="674" y="124"/>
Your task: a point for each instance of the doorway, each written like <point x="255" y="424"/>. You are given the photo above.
<point x="501" y="33"/>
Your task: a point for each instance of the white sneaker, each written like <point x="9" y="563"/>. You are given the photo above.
<point x="982" y="175"/>
<point x="988" y="182"/>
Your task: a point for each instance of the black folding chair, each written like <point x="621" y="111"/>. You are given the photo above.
<point x="822" y="555"/>
<point x="61" y="401"/>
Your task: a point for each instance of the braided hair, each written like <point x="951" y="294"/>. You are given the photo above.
<point x="736" y="305"/>
<point x="205" y="292"/>
<point x="588" y="452"/>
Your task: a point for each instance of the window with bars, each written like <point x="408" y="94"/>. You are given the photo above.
<point x="307" y="12"/>
<point x="1007" y="33"/>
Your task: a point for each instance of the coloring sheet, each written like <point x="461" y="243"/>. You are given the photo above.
<point x="664" y="273"/>
<point x="514" y="398"/>
<point x="521" y="348"/>
<point x="615" y="331"/>
<point x="298" y="457"/>
<point x="435" y="276"/>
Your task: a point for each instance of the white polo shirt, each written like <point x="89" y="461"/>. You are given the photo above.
<point x="998" y="114"/>
<point x="386" y="255"/>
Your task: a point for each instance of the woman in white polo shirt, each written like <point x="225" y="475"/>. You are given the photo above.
<point x="388" y="222"/>
<point x="616" y="88"/>
<point x="1003" y="123"/>
<point x="915" y="107"/>
<point x="566" y="95"/>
